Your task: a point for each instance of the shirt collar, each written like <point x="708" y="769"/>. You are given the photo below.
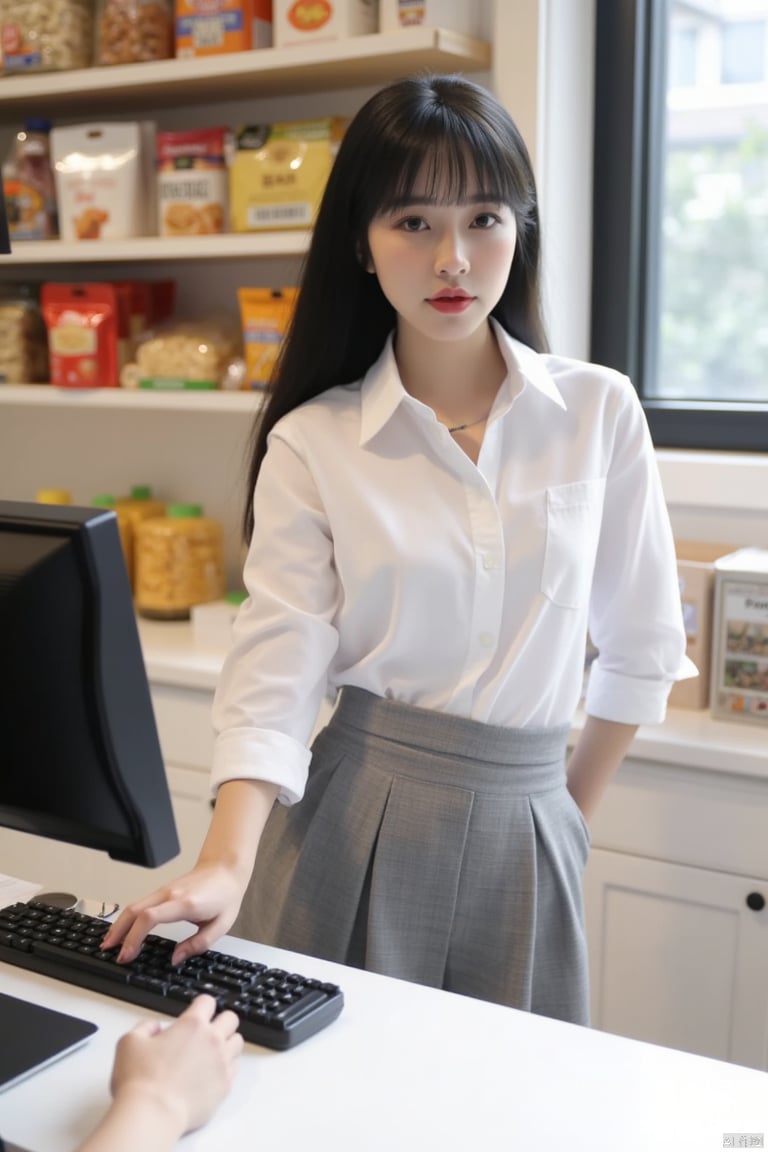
<point x="382" y="391"/>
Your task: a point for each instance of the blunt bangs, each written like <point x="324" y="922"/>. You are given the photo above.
<point x="449" y="151"/>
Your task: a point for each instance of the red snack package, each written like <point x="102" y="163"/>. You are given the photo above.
<point x="82" y="323"/>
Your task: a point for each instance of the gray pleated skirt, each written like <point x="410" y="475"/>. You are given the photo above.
<point x="434" y="849"/>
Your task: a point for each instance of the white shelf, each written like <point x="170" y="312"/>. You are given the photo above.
<point x="141" y="248"/>
<point x="139" y="399"/>
<point x="355" y="62"/>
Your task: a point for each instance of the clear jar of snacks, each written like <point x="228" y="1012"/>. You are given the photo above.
<point x="49" y="37"/>
<point x="140" y="504"/>
<point x="53" y="496"/>
<point x="128" y="31"/>
<point x="179" y="562"/>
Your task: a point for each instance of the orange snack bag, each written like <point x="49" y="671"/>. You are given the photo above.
<point x="265" y="314"/>
<point x="82" y="323"/>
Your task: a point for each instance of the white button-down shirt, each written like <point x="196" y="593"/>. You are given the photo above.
<point x="383" y="557"/>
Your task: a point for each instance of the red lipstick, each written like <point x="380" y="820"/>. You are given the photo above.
<point x="451" y="300"/>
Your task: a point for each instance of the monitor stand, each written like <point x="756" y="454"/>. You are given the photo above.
<point x="85" y="904"/>
<point x="57" y="899"/>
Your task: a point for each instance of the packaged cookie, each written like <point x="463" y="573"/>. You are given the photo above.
<point x="129" y="31"/>
<point x="192" y="186"/>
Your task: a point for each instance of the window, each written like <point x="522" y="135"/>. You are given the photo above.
<point x="683" y="47"/>
<point x="680" y="235"/>
<point x="743" y="52"/>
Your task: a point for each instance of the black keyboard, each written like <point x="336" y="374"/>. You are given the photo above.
<point x="276" y="1008"/>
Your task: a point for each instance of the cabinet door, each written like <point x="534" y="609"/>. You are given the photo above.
<point x="678" y="956"/>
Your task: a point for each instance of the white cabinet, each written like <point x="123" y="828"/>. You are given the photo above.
<point x="678" y="957"/>
<point x="676" y="897"/>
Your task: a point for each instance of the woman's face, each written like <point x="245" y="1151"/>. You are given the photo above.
<point x="443" y="265"/>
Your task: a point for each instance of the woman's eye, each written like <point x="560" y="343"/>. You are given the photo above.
<point x="486" y="220"/>
<point x="412" y="224"/>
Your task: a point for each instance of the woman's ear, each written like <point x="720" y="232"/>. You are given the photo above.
<point x="364" y="259"/>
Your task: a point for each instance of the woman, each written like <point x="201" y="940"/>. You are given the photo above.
<point x="441" y="510"/>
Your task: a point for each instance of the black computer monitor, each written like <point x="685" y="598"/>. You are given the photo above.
<point x="80" y="759"/>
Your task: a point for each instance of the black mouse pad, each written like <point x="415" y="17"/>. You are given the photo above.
<point x="32" y="1036"/>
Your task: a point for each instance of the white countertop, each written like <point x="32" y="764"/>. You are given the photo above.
<point x="412" y="1069"/>
<point x="687" y="738"/>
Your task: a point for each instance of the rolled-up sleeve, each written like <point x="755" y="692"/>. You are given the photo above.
<point x="275" y="675"/>
<point x="636" y="619"/>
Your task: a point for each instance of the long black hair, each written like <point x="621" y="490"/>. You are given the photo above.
<point x="448" y="130"/>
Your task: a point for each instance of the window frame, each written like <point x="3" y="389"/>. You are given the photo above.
<point x="629" y="111"/>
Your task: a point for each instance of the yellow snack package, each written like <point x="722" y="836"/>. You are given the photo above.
<point x="278" y="172"/>
<point x="265" y="314"/>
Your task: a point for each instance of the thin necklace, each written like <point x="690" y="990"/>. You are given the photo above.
<point x="472" y="424"/>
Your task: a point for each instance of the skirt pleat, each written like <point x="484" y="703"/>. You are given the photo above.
<point x="433" y="849"/>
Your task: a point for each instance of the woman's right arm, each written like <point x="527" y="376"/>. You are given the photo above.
<point x="210" y="895"/>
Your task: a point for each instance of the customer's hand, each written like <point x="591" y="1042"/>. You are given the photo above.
<point x="191" y="1062"/>
<point x="168" y="1079"/>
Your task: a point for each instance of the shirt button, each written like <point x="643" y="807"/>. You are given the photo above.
<point x="490" y="562"/>
<point x="486" y="639"/>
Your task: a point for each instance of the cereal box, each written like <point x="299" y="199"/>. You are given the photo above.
<point x="279" y="172"/>
<point x="310" y="21"/>
<point x="212" y="27"/>
<point x="739" y="688"/>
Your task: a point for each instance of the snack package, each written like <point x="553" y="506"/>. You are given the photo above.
<point x="265" y="314"/>
<point x="82" y="324"/>
<point x="23" y="339"/>
<point x="28" y="184"/>
<point x="192" y="182"/>
<point x="184" y="355"/>
<point x="128" y="31"/>
<point x="210" y="27"/>
<point x="279" y="172"/>
<point x="103" y="186"/>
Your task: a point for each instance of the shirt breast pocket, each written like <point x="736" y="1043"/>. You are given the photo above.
<point x="574" y="513"/>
